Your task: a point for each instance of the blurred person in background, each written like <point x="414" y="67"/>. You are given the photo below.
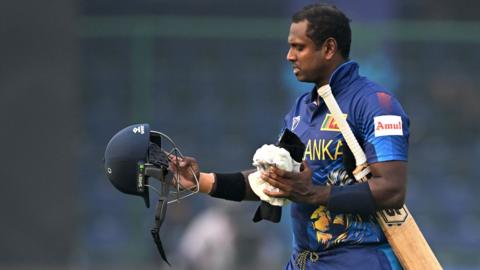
<point x="333" y="220"/>
<point x="209" y="241"/>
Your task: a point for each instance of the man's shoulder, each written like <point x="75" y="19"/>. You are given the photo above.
<point x="367" y="91"/>
<point x="367" y="88"/>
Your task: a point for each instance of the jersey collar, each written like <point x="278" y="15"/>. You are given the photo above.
<point x="340" y="78"/>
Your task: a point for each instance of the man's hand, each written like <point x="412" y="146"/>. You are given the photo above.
<point x="297" y="187"/>
<point x="184" y="170"/>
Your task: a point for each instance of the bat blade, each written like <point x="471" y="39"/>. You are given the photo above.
<point x="398" y="225"/>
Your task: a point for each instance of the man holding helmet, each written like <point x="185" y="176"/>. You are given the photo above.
<point x="333" y="217"/>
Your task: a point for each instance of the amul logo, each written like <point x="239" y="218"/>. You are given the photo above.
<point x="386" y="125"/>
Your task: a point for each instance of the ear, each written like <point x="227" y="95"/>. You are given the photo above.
<point x="330" y="47"/>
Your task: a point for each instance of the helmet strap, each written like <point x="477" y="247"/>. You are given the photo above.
<point x="160" y="212"/>
<point x="161" y="208"/>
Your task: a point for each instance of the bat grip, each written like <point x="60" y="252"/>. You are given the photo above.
<point x="326" y="93"/>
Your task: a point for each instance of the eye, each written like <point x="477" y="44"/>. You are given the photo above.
<point x="300" y="48"/>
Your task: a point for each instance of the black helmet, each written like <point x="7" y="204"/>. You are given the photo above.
<point x="124" y="152"/>
<point x="133" y="155"/>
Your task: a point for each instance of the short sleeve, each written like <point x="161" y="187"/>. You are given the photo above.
<point x="384" y="127"/>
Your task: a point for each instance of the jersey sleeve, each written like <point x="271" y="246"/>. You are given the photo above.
<point x="384" y="127"/>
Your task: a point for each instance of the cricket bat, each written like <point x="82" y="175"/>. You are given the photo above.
<point x="401" y="230"/>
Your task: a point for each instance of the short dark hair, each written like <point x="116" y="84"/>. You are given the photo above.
<point x="326" y="21"/>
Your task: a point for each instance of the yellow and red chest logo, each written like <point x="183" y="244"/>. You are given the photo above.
<point x="329" y="123"/>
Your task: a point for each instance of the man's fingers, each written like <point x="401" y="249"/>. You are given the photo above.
<point x="180" y="162"/>
<point x="171" y="166"/>
<point x="173" y="158"/>
<point x="274" y="182"/>
<point x="176" y="165"/>
<point x="305" y="166"/>
<point x="277" y="193"/>
<point x="281" y="173"/>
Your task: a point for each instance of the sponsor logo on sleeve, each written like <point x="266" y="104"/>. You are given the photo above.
<point x="387" y="125"/>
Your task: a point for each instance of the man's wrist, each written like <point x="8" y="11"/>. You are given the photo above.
<point x="352" y="199"/>
<point x="206" y="182"/>
<point x="229" y="186"/>
<point x="321" y="195"/>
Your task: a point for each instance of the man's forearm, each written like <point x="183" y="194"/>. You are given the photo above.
<point x="207" y="181"/>
<point x="233" y="186"/>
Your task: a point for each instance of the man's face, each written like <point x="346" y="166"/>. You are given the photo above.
<point x="307" y="60"/>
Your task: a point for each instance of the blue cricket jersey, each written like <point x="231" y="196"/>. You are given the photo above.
<point x="381" y="127"/>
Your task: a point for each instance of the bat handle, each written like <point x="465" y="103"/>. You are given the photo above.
<point x="326" y="93"/>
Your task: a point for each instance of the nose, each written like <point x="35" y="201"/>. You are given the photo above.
<point x="290" y="55"/>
